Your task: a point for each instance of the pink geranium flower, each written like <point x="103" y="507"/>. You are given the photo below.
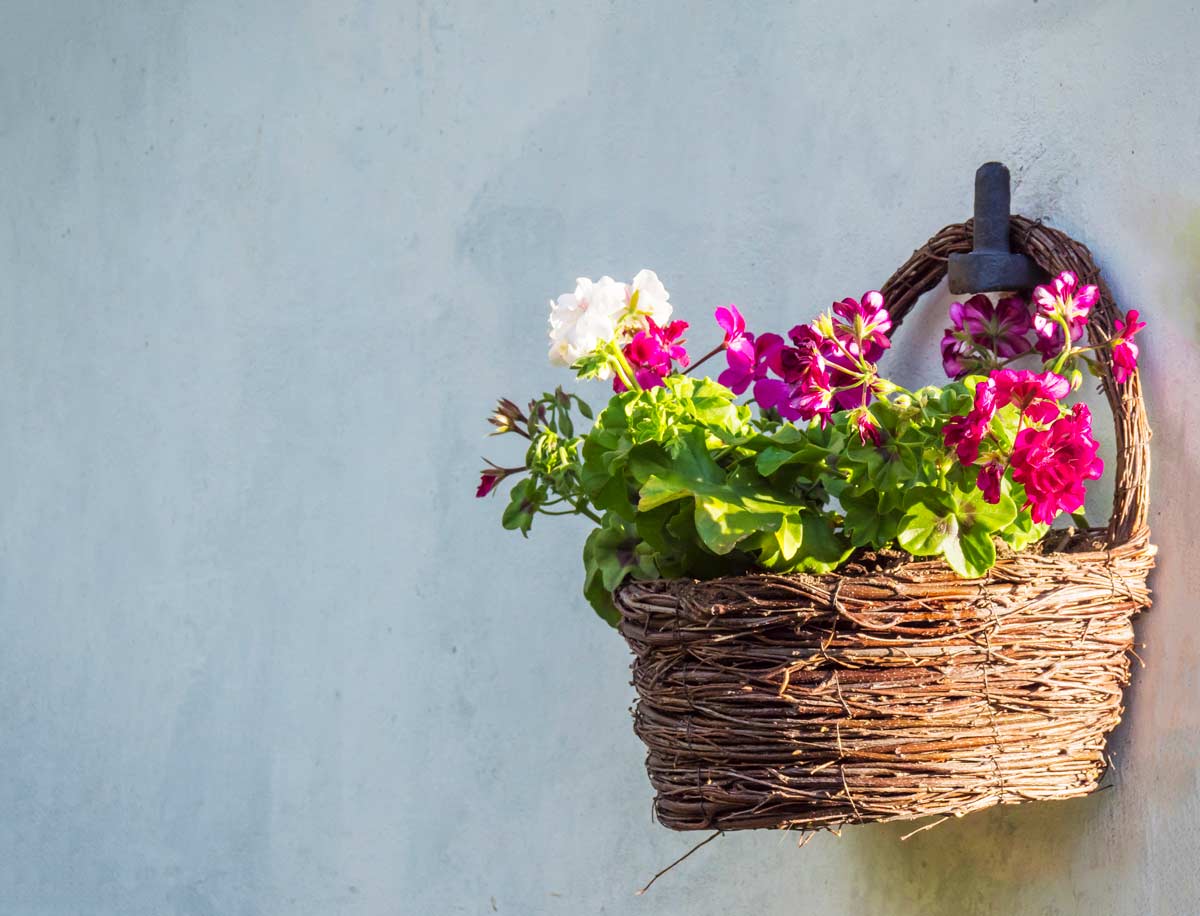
<point x="772" y="394"/>
<point x="1125" y="351"/>
<point x="1034" y="395"/>
<point x="808" y="353"/>
<point x="1053" y="464"/>
<point x="1061" y="298"/>
<point x="828" y="367"/>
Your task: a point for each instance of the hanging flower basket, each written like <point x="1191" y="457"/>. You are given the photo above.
<point x="846" y="600"/>
<point x="894" y="688"/>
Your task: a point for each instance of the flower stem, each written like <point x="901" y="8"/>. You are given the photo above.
<point x="1013" y="359"/>
<point x="1008" y="460"/>
<point x="588" y="513"/>
<point x="623" y="369"/>
<point x="705" y="358"/>
<point x="1066" y="350"/>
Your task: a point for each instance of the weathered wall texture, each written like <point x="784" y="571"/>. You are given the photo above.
<point x="263" y="268"/>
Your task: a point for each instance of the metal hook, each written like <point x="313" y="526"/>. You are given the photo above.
<point x="991" y="264"/>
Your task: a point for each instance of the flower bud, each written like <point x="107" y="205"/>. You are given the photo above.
<point x="824" y="325"/>
<point x="882" y="387"/>
<point x="502" y="423"/>
<point x="1075" y="377"/>
<point x="506" y="417"/>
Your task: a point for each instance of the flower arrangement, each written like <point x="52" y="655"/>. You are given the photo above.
<point x="801" y="455"/>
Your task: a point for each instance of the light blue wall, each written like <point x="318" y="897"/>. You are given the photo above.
<point x="264" y="268"/>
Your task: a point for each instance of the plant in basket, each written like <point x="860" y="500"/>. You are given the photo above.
<point x="843" y="596"/>
<point x="801" y="453"/>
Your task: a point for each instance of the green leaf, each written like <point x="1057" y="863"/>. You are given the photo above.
<point x="1023" y="530"/>
<point x="924" y="532"/>
<point x="789" y="537"/>
<point x="659" y="490"/>
<point x="721" y="524"/>
<point x="772" y="458"/>
<point x="976" y="553"/>
<point x="958" y="525"/>
<point x="729" y="508"/>
<point x="975" y="512"/>
<point x="809" y="448"/>
<point x="522" y="504"/>
<point x="866" y="522"/>
<point x="611" y="554"/>
<point x="823" y="550"/>
<point x="934" y="498"/>
<point x="601" y="600"/>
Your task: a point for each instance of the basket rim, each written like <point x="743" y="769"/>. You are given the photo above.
<point x="1090" y="550"/>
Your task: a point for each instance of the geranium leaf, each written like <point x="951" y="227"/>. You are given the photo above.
<point x="975" y="512"/>
<point x="976" y="553"/>
<point x="721" y="524"/>
<point x="924" y="532"/>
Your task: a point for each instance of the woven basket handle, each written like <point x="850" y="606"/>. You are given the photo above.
<point x="1054" y="252"/>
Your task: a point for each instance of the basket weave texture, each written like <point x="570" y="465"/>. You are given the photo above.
<point x="896" y="691"/>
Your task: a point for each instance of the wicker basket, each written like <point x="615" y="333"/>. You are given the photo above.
<point x="899" y="691"/>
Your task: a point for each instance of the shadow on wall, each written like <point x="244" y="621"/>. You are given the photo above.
<point x="983" y="863"/>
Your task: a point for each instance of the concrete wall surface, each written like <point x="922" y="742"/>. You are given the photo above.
<point x="264" y="268"/>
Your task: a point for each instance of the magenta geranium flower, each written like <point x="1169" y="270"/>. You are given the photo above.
<point x="651" y="353"/>
<point x="1034" y="395"/>
<point x="490" y="477"/>
<point x="749" y="360"/>
<point x="988" y="480"/>
<point x="956" y="355"/>
<point x="862" y="326"/>
<point x="808" y="351"/>
<point x="1064" y="299"/>
<point x="809" y="370"/>
<point x="1000" y="328"/>
<point x="867" y="428"/>
<point x="730" y="320"/>
<point x="772" y="394"/>
<point x="811" y="401"/>
<point x="965" y="434"/>
<point x="978" y="325"/>
<point x="739" y="356"/>
<point x="1124" y="350"/>
<point x="1049" y="340"/>
<point x="829" y="365"/>
<point x="1053" y="464"/>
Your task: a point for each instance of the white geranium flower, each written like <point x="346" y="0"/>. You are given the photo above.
<point x="652" y="296"/>
<point x="584" y="321"/>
